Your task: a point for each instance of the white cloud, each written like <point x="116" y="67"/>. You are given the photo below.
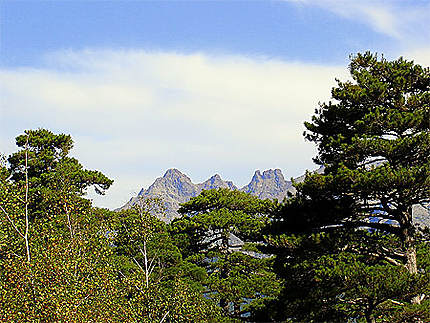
<point x="133" y="114"/>
<point x="419" y="55"/>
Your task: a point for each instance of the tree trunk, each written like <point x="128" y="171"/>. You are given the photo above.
<point x="223" y="303"/>
<point x="236" y="310"/>
<point x="411" y="252"/>
<point x="411" y="256"/>
<point x="368" y="312"/>
<point x="369" y="318"/>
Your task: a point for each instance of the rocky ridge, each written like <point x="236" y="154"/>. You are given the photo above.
<point x="175" y="188"/>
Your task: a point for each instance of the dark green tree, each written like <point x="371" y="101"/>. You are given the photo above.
<point x="238" y="275"/>
<point x="340" y="275"/>
<point x="54" y="177"/>
<point x="373" y="139"/>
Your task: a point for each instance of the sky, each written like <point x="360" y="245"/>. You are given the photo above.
<point x="202" y="86"/>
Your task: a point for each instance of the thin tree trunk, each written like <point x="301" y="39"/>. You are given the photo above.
<point x="146" y="264"/>
<point x="223" y="303"/>
<point x="368" y="314"/>
<point x="411" y="263"/>
<point x="69" y="222"/>
<point x="411" y="256"/>
<point x="26" y="234"/>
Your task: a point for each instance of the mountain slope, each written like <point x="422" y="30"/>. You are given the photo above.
<point x="269" y="185"/>
<point x="175" y="188"/>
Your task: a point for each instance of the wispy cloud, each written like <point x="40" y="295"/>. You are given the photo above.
<point x="403" y="20"/>
<point x="135" y="113"/>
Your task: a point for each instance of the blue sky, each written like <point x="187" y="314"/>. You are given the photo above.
<point x="204" y="86"/>
<point x="270" y="28"/>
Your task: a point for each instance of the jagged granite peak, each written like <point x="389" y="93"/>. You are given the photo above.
<point x="172" y="183"/>
<point x="175" y="188"/>
<point x="175" y="173"/>
<point x="216" y="182"/>
<point x="269" y="185"/>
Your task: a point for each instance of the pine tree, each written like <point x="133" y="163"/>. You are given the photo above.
<point x="375" y="144"/>
<point x="238" y="275"/>
<point x="373" y="139"/>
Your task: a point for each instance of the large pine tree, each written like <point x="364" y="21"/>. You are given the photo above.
<point x="373" y="139"/>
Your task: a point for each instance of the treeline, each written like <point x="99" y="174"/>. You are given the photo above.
<point x="344" y="248"/>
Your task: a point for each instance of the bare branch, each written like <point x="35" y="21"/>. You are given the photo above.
<point x="396" y="302"/>
<point x="162" y="320"/>
<point x="11" y="222"/>
<point x="137" y="263"/>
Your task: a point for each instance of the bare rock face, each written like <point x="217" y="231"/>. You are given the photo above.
<point x="175" y="188"/>
<point x="421" y="215"/>
<point x="216" y="182"/>
<point x="269" y="185"/>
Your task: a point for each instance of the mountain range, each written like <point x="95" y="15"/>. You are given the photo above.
<point x="175" y="188"/>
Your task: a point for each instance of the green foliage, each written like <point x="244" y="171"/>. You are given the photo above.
<point x="67" y="278"/>
<point x="86" y="263"/>
<point x="383" y="112"/>
<point x="53" y="176"/>
<point x="374" y="141"/>
<point x="236" y="276"/>
<point x="337" y="276"/>
<point x="346" y="245"/>
<point x="150" y="268"/>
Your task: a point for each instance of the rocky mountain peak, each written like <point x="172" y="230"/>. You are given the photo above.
<point x="271" y="184"/>
<point x="216" y="182"/>
<point x="215" y="178"/>
<point x="257" y="175"/>
<point x="175" y="188"/>
<point x="272" y="173"/>
<point x="173" y="173"/>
